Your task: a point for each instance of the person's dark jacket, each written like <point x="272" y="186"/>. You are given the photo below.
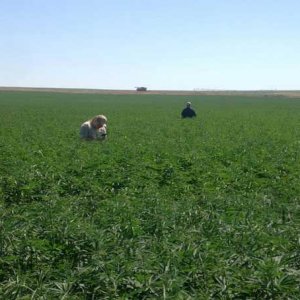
<point x="188" y="113"/>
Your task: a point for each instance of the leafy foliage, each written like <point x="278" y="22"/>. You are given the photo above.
<point x="163" y="209"/>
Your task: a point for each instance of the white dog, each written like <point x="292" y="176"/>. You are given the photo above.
<point x="102" y="133"/>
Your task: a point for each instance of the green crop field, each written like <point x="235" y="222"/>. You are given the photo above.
<point x="165" y="208"/>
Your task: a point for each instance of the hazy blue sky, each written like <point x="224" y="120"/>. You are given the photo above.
<point x="161" y="44"/>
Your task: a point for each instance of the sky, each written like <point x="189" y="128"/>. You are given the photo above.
<point x="160" y="44"/>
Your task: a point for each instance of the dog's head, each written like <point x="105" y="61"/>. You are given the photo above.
<point x="102" y="132"/>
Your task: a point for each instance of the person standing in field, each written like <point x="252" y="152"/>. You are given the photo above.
<point x="94" y="128"/>
<point x="188" y="112"/>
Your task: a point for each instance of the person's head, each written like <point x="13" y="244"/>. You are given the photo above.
<point x="188" y="104"/>
<point x="98" y="121"/>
